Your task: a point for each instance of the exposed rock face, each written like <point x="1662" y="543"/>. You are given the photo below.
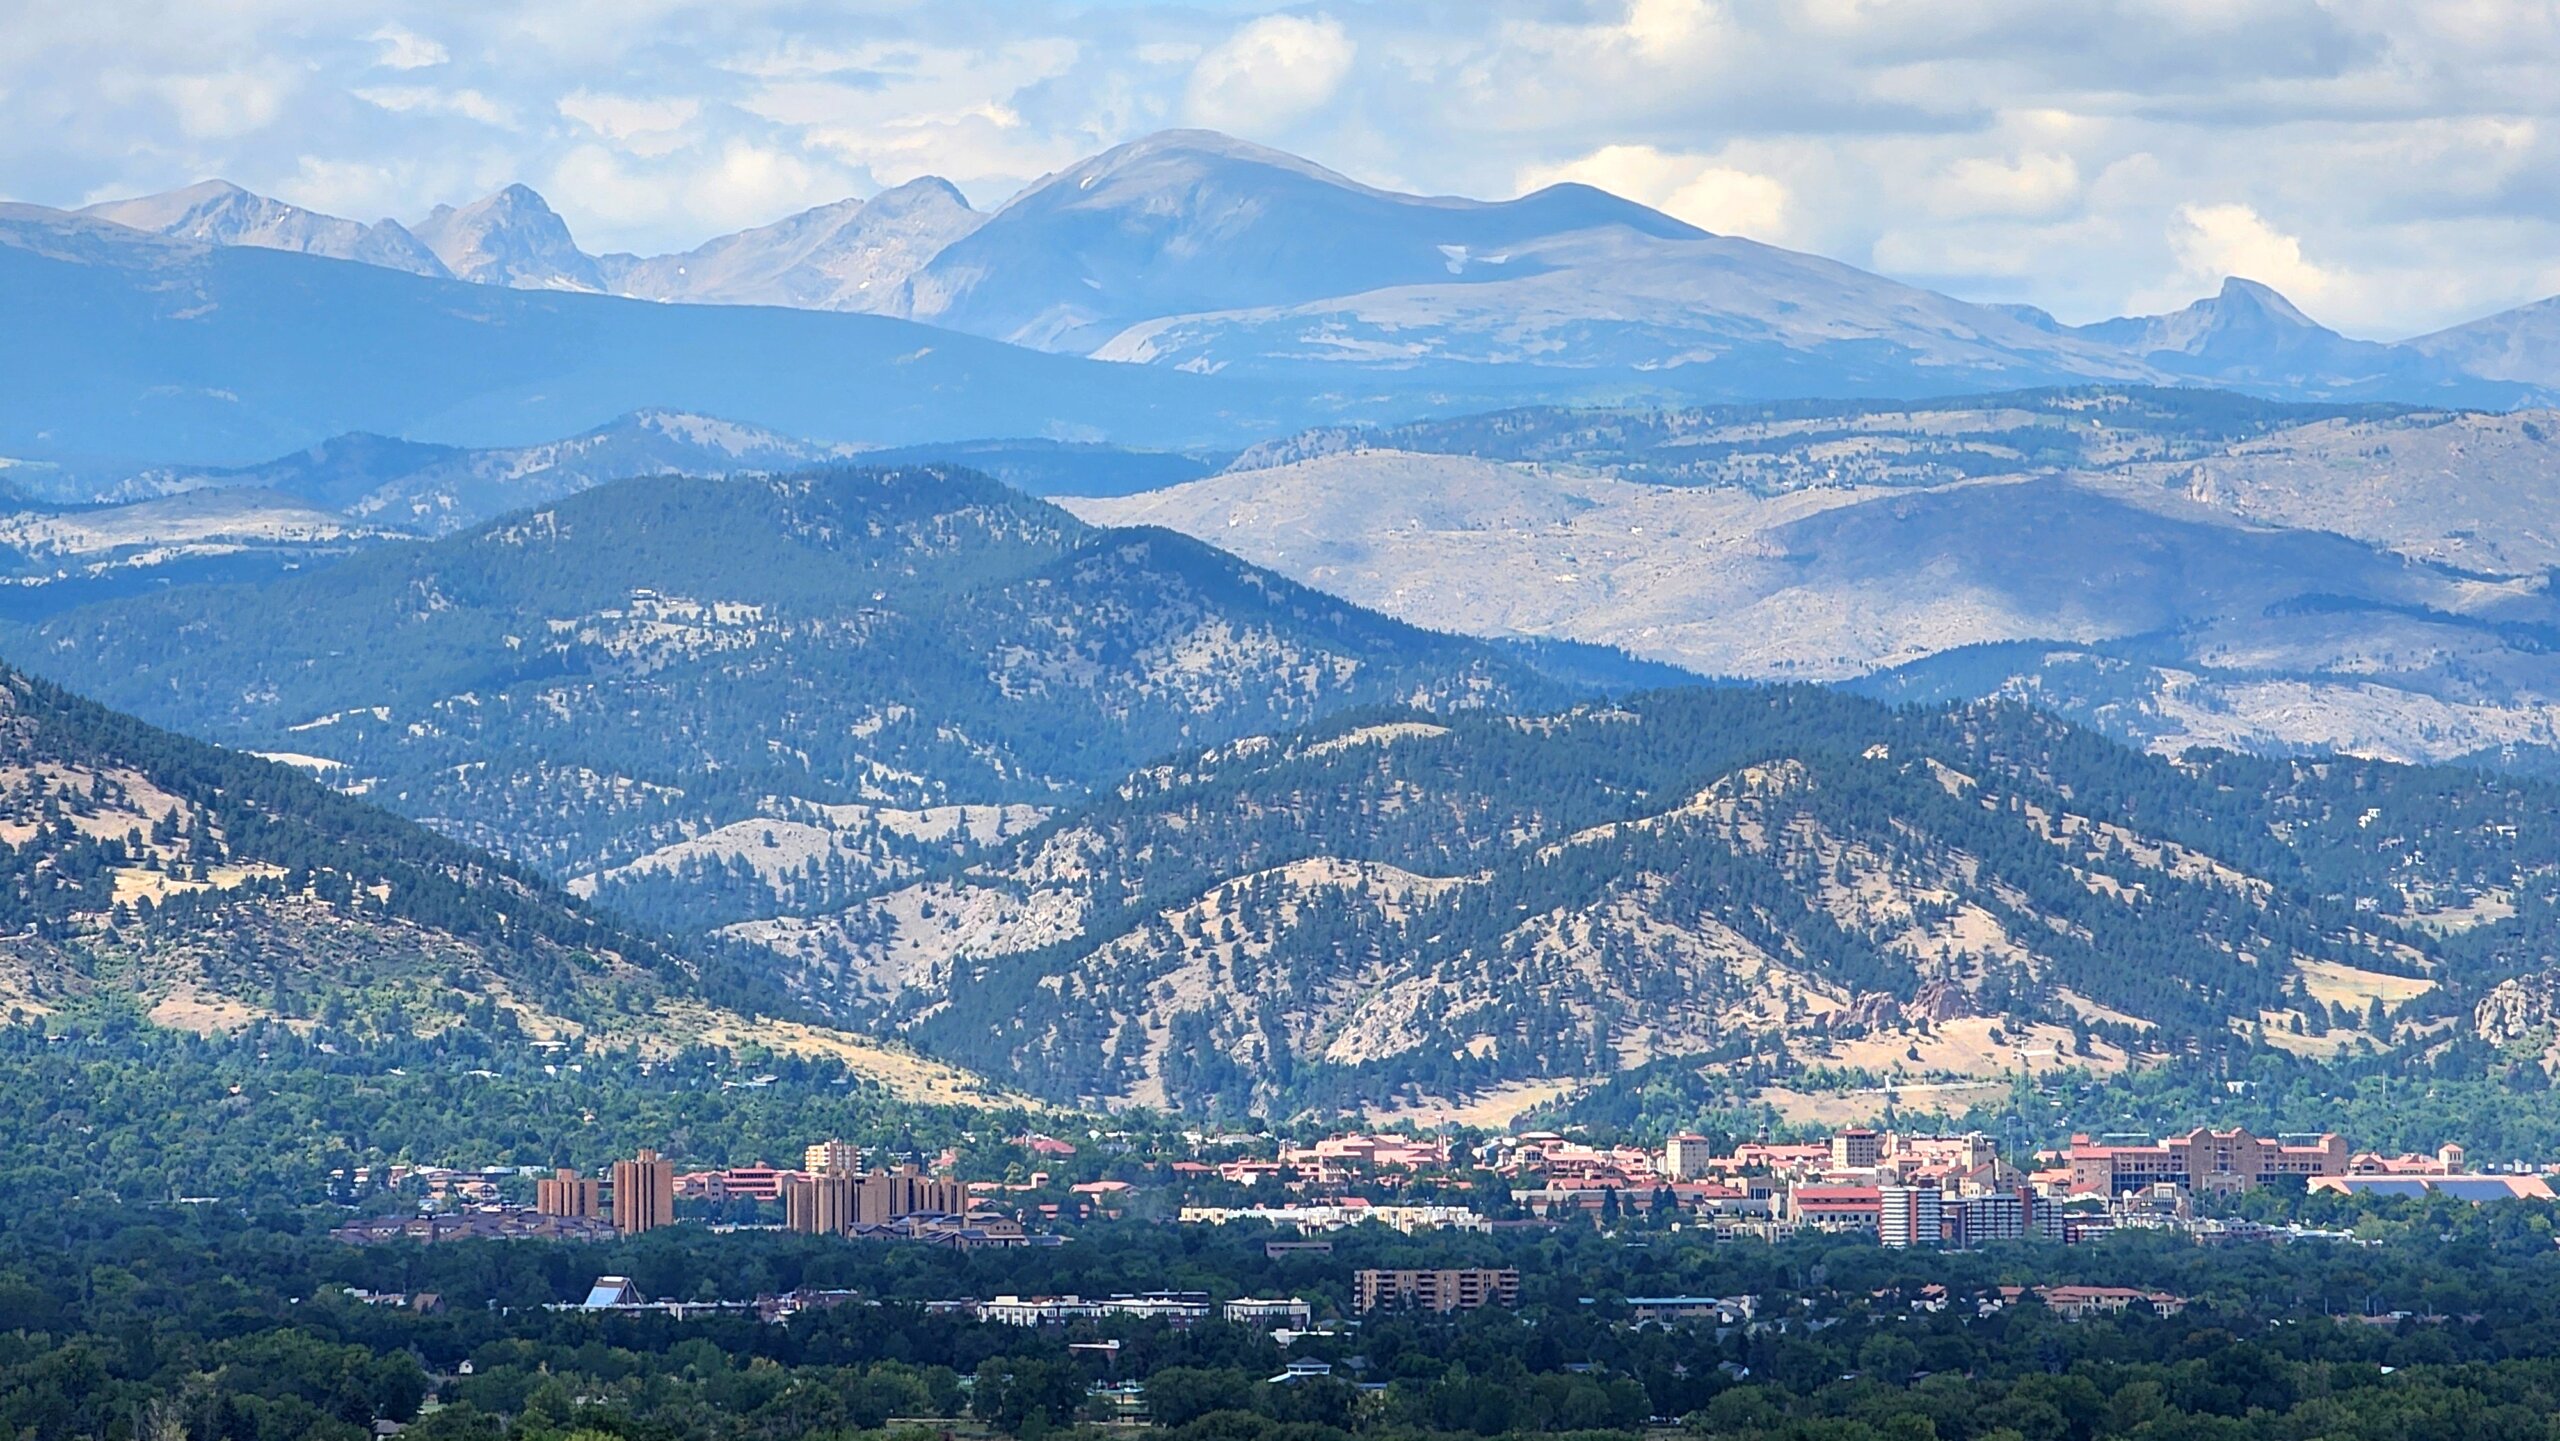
<point x="2519" y="1011"/>
<point x="1873" y="1010"/>
<point x="511" y="238"/>
<point x="1941" y="1001"/>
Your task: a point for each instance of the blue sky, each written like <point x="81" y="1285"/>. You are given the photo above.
<point x="2391" y="166"/>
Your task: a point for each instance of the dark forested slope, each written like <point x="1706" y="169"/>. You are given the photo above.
<point x="633" y="667"/>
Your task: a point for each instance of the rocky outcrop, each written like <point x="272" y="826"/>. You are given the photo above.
<point x="1941" y="1000"/>
<point x="2519" y="1012"/>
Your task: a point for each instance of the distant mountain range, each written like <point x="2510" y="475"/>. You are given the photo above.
<point x="72" y="536"/>
<point x="1116" y="816"/>
<point x="2173" y="567"/>
<point x="155" y="349"/>
<point x="1183" y="255"/>
<point x="586" y="683"/>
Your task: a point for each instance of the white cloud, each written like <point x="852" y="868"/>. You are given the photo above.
<point x="1665" y="28"/>
<point x="429" y="100"/>
<point x="406" y="49"/>
<point x="1270" y="74"/>
<point x="225" y="106"/>
<point x="1695" y="188"/>
<point x="2038" y="184"/>
<point x="900" y="110"/>
<point x="2215" y="241"/>
<point x="647" y="127"/>
<point x="730" y="188"/>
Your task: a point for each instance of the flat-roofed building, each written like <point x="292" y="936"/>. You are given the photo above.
<point x="1856" y="1149"/>
<point x="566" y="1193"/>
<point x="1836" y="1208"/>
<point x="1464" y="1289"/>
<point x="885" y="1196"/>
<point x="1908" y="1216"/>
<point x="2203" y="1160"/>
<point x="2474" y="1189"/>
<point x="820" y="1205"/>
<point x="832" y="1158"/>
<point x="1286" y="1311"/>
<point x="838" y="1203"/>
<point x="1688" y="1156"/>
<point x="644" y="1193"/>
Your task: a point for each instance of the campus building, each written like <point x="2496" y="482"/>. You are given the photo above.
<point x="1688" y="1156"/>
<point x="2202" y="1160"/>
<point x="832" y="1158"/>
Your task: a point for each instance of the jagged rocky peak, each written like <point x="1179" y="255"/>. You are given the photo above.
<point x="512" y="237"/>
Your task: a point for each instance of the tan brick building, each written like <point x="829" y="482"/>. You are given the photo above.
<point x="566" y="1193"/>
<point x="1442" y="1291"/>
<point x="644" y="1193"/>
<point x="2203" y="1160"/>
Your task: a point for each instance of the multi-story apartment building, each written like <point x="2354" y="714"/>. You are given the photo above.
<point x="566" y="1193"/>
<point x="1466" y="1289"/>
<point x="1910" y="1216"/>
<point x="1925" y="1216"/>
<point x="832" y="1158"/>
<point x="644" y="1193"/>
<point x="835" y="1203"/>
<point x="1856" y="1149"/>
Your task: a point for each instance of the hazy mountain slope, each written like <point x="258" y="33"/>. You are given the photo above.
<point x="438" y="489"/>
<point x="218" y="212"/>
<point x="1195" y="251"/>
<point x="1192" y="250"/>
<point x="2306" y="685"/>
<point x="2480" y="492"/>
<point x="1444" y="903"/>
<point x="1057" y="467"/>
<point x="511" y="237"/>
<point x="55" y="558"/>
<point x="2250" y="338"/>
<point x="1189" y="220"/>
<point x="583" y="684"/>
<point x="851" y="255"/>
<point x="1773" y="446"/>
<point x="2371" y="580"/>
<point x="2520" y="345"/>
<point x="1646" y="314"/>
<point x="1816" y="584"/>
<point x="167" y="350"/>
